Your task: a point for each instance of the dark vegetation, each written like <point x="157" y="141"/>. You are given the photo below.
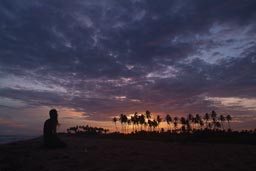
<point x="211" y="128"/>
<point x="190" y="124"/>
<point x="86" y="130"/>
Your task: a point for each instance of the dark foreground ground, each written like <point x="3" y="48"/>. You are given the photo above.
<point x="84" y="153"/>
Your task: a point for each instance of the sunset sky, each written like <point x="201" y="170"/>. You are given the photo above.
<point x="95" y="59"/>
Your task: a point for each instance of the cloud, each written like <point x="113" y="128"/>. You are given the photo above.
<point x="245" y="103"/>
<point x="7" y="102"/>
<point x="165" y="56"/>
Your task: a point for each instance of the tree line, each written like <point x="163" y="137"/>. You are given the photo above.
<point x="87" y="130"/>
<point x="147" y="122"/>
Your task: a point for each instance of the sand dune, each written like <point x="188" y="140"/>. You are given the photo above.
<point x="126" y="155"/>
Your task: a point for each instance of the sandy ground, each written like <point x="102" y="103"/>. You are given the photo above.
<point x="126" y="155"/>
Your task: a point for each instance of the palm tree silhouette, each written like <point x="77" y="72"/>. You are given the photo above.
<point x="136" y="120"/>
<point x="176" y="119"/>
<point x="148" y="114"/>
<point x="190" y="119"/>
<point x="133" y="123"/>
<point x="201" y="123"/>
<point x="197" y="119"/>
<point x="222" y="119"/>
<point x="154" y="124"/>
<point x="168" y="119"/>
<point x="75" y="129"/>
<point x="150" y="124"/>
<point x="129" y="122"/>
<point x="159" y="120"/>
<point x="123" y="119"/>
<point x="229" y="118"/>
<point x="214" y="118"/>
<point x="115" y="120"/>
<point x="188" y="125"/>
<point x="141" y="119"/>
<point x="183" y="124"/>
<point x="217" y="124"/>
<point x="206" y="118"/>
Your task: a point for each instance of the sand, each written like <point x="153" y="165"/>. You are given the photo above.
<point x="87" y="154"/>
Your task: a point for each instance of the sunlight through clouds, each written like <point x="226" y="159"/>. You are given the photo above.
<point x="249" y="104"/>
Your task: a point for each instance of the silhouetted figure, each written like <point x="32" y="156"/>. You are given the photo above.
<point x="51" y="139"/>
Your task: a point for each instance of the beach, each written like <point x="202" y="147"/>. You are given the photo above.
<point x="95" y="153"/>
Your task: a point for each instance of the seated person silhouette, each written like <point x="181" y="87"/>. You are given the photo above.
<point x="51" y="140"/>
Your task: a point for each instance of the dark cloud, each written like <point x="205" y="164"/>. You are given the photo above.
<point x="106" y="57"/>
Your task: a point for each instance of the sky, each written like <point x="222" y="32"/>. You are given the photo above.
<point x="95" y="59"/>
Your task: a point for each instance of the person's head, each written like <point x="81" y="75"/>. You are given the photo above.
<point x="54" y="115"/>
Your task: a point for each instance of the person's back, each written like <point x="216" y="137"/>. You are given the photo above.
<point x="49" y="133"/>
<point x="50" y="136"/>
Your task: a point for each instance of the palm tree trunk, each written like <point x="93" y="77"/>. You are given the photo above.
<point x="116" y="127"/>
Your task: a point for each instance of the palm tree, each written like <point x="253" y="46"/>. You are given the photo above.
<point x="183" y="123"/>
<point x="129" y="122"/>
<point x="190" y="119"/>
<point x="222" y="119"/>
<point x="123" y="119"/>
<point x="154" y="124"/>
<point x="145" y="125"/>
<point x="217" y="124"/>
<point x="75" y="129"/>
<point x="125" y="122"/>
<point x="197" y="119"/>
<point x="148" y="114"/>
<point x="105" y="131"/>
<point x="168" y="119"/>
<point x="159" y="120"/>
<point x="201" y="123"/>
<point x="188" y="125"/>
<point x="134" y="121"/>
<point x="176" y="119"/>
<point x="229" y="118"/>
<point x="115" y="120"/>
<point x="206" y="118"/>
<point x="141" y="120"/>
<point x="150" y="124"/>
<point x="214" y="118"/>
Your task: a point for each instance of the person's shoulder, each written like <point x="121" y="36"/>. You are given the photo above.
<point x="47" y="121"/>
